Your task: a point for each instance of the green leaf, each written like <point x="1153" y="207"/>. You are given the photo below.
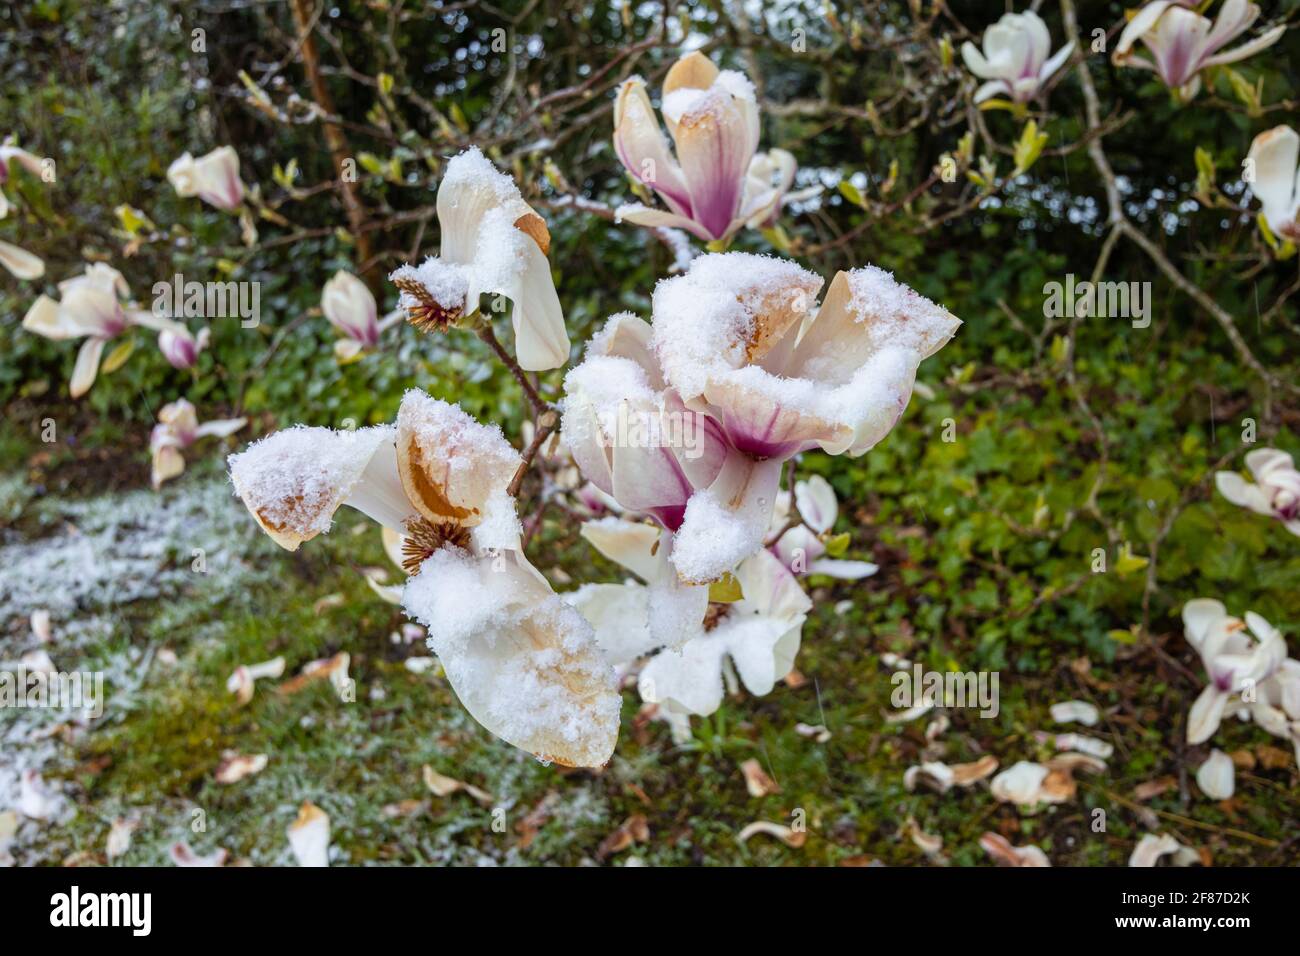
<point x="852" y="193"/>
<point x="117" y="358"/>
<point x="726" y="590"/>
<point x="837" y="545"/>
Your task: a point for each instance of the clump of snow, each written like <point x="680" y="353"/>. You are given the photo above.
<point x="714" y="538"/>
<point x="295" y="479"/>
<point x="446" y="282"/>
<point x="499" y="257"/>
<point x="472" y="171"/>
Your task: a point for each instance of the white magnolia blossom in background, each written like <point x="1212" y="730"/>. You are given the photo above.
<point x="522" y="661"/>
<point x="1275" y="154"/>
<point x="774" y="169"/>
<point x="214" y="178"/>
<point x="1015" y="61"/>
<point x="714" y="185"/>
<point x="800" y="548"/>
<point x="178" y="427"/>
<point x="20" y="263"/>
<point x="350" y="307"/>
<point x="1250" y="673"/>
<point x="1181" y="43"/>
<point x="1275" y="491"/>
<point x="93" y="306"/>
<point x="492" y="242"/>
<point x="758" y="635"/>
<point x="181" y="347"/>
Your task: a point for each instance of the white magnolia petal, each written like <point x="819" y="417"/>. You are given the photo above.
<point x="817" y="503"/>
<point x="1215" y="776"/>
<point x="21" y="263"/>
<point x="1206" y="715"/>
<point x="86" y="368"/>
<point x="725" y="523"/>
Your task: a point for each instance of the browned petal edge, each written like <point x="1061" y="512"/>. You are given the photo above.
<point x="534" y="226"/>
<point x="428" y="498"/>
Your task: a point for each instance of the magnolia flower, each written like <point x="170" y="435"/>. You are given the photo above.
<point x="350" y="307"/>
<point x="1237" y="661"/>
<point x="715" y="185"/>
<point x="178" y="427"/>
<point x="181" y="347"/>
<point x="759" y="634"/>
<point x="800" y="547"/>
<point x="739" y="341"/>
<point x="524" y="663"/>
<point x="90" y="306"/>
<point x="1182" y="43"/>
<point x="20" y="263"/>
<point x="493" y="242"/>
<point x="1276" y="156"/>
<point x="214" y="178"/>
<point x="9" y="155"/>
<point x="1015" y="60"/>
<point x="1275" y="492"/>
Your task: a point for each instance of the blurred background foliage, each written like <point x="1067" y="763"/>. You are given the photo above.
<point x="986" y="542"/>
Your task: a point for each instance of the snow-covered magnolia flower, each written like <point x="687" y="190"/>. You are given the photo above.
<point x="178" y="427"/>
<point x="739" y="339"/>
<point x="492" y="242"/>
<point x="1182" y="43"/>
<point x="1276" y="157"/>
<point x="758" y="635"/>
<point x="92" y="306"/>
<point x="1238" y="661"/>
<point x="181" y="347"/>
<point x="715" y="184"/>
<point x="522" y="661"/>
<point x="214" y="178"/>
<point x="350" y="307"/>
<point x="1015" y="61"/>
<point x="801" y="548"/>
<point x="1275" y="491"/>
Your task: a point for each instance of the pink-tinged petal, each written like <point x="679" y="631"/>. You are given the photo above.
<point x="643" y="215"/>
<point x="87" y="366"/>
<point x="714" y="147"/>
<point x="725" y="523"/>
<point x="1234" y="19"/>
<point x="757" y="423"/>
<point x="817" y="503"/>
<point x="1248" y="49"/>
<point x="643" y="149"/>
<point x="650" y="479"/>
<point x="700" y="445"/>
<point x="21" y="263"/>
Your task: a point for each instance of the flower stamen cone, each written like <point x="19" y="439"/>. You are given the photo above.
<point x="425" y="538"/>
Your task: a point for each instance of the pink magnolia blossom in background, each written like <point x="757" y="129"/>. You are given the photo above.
<point x="93" y="306"/>
<point x="1275" y="491"/>
<point x="181" y="347"/>
<point x="710" y="178"/>
<point x="214" y="178"/>
<point x="350" y="306"/>
<point x="178" y="427"/>
<point x="1181" y="43"/>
